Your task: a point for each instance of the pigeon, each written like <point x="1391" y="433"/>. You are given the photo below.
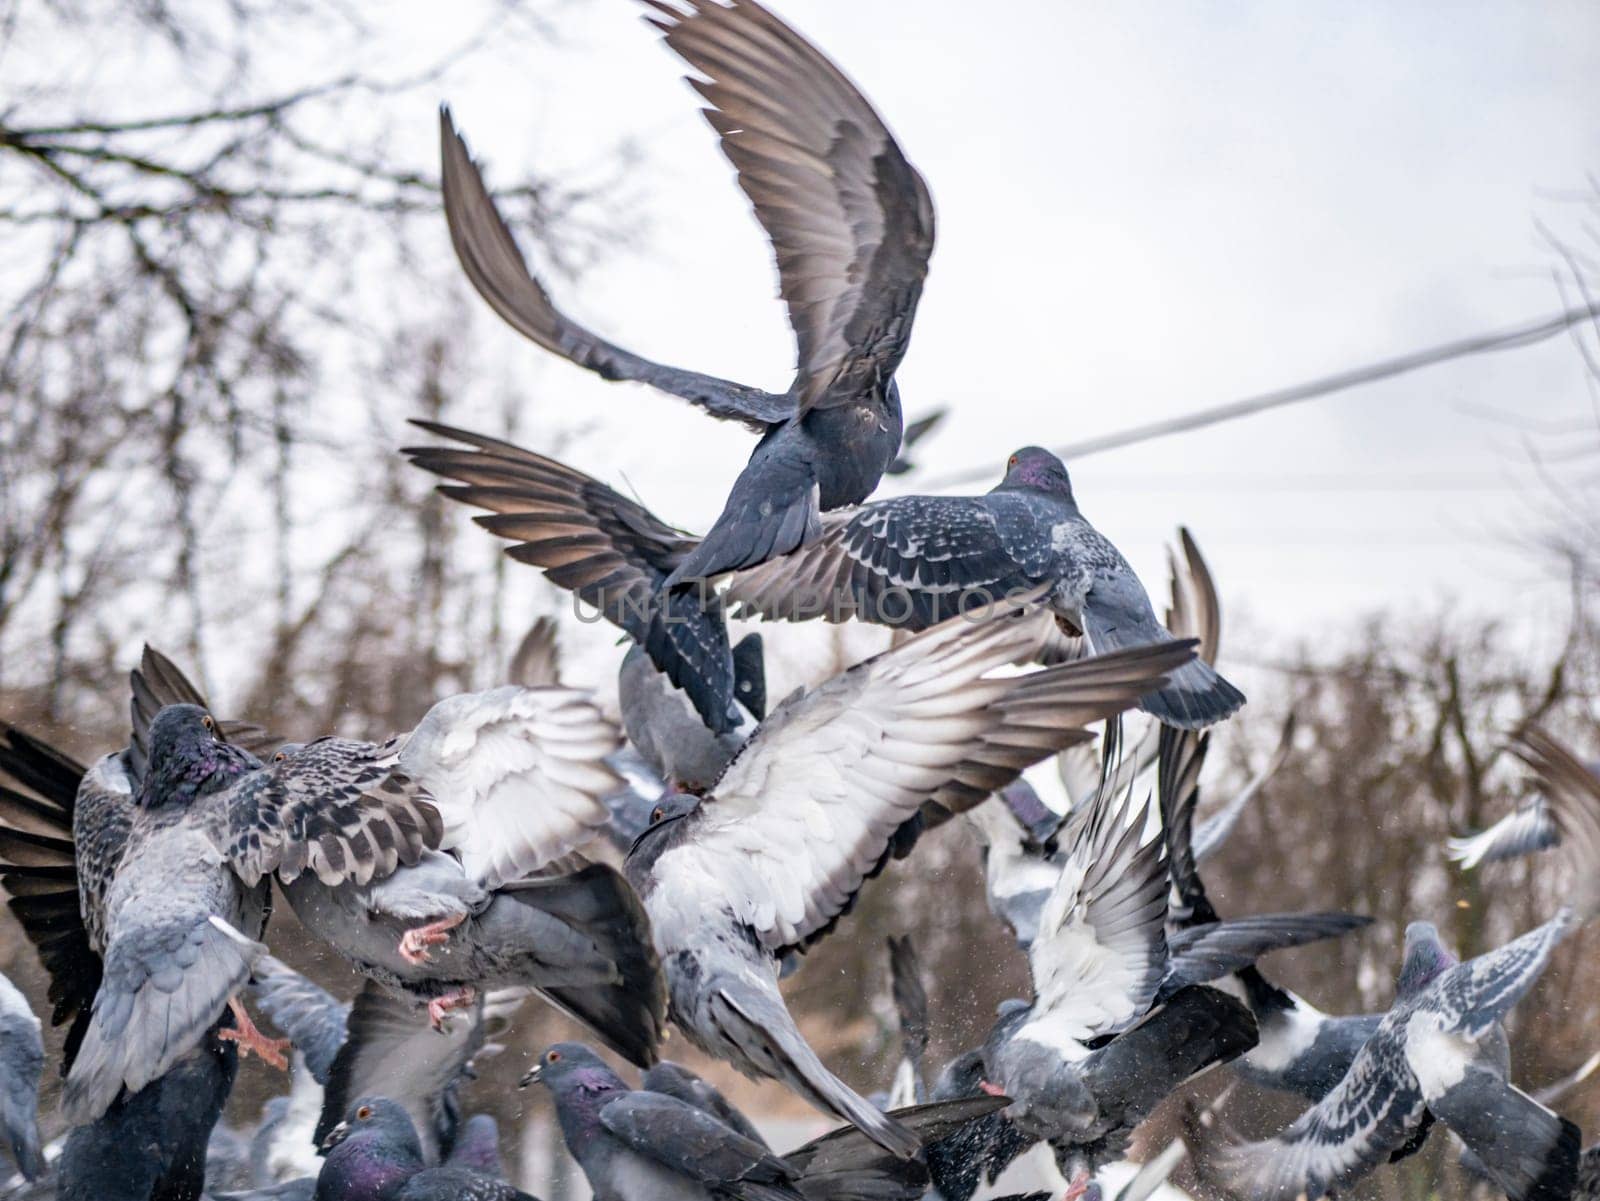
<point x="1536" y="825"/>
<point x="851" y="225"/>
<point x="775" y="854"/>
<point x="675" y="1080"/>
<point x="374" y="1154"/>
<point x="1300" y="1049"/>
<point x="1116" y="1022"/>
<point x="667" y="733"/>
<point x="1437" y="1054"/>
<point x="640" y="1145"/>
<point x="515" y="775"/>
<point x="185" y="906"/>
<point x="151" y="1144"/>
<point x="21" y="1065"/>
<point x="1549" y="1096"/>
<point x="912" y="561"/>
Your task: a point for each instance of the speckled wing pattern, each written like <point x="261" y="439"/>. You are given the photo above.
<point x="610" y="552"/>
<point x="850" y="220"/>
<point x="1349" y="1132"/>
<point x="489" y="255"/>
<point x="1472" y="996"/>
<point x="910" y="561"/>
<point x="342" y="809"/>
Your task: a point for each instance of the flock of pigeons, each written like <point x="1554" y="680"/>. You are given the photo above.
<point x="516" y="843"/>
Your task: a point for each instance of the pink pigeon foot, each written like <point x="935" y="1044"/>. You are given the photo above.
<point x="251" y="1041"/>
<point x="440" y="1007"/>
<point x="414" y="943"/>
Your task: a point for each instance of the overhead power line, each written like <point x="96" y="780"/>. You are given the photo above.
<point x="1505" y="339"/>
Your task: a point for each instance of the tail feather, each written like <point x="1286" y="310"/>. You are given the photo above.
<point x="846" y="1165"/>
<point x="1194" y="698"/>
<point x="1528" y="1151"/>
<point x="598" y="904"/>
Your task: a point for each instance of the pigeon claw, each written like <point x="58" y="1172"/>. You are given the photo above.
<point x="250" y="1039"/>
<point x="994" y="1090"/>
<point x="441" y="1007"/>
<point x="414" y="943"/>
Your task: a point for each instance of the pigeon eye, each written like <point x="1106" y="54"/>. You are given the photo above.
<point x="657" y="814"/>
<point x="1012" y="461"/>
<point x="363" y="1113"/>
<point x="209" y="723"/>
<point x="279" y="757"/>
<point x="553" y="1057"/>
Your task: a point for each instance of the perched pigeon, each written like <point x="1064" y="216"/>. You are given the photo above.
<point x="1439" y="1051"/>
<point x="1300" y="1049"/>
<point x="664" y="728"/>
<point x="186" y="903"/>
<point x="640" y="1145"/>
<point x="775" y="854"/>
<point x="374" y="1155"/>
<point x="1566" y="785"/>
<point x="21" y="1065"/>
<point x="1102" y="971"/>
<point x="912" y="561"/>
<point x="851" y="224"/>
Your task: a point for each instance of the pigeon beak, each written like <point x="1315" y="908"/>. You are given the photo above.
<point x="994" y="1090"/>
<point x="533" y="1076"/>
<point x="334" y="1137"/>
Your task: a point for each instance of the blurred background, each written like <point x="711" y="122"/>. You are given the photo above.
<point x="227" y="284"/>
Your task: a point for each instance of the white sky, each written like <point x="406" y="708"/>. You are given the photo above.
<point x="1142" y="208"/>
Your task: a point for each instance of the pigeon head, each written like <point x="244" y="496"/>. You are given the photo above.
<point x="1036" y="468"/>
<point x="670" y="807"/>
<point x="189" y="757"/>
<point x="572" y="1069"/>
<point x="1426" y="958"/>
<point x="370" y="1154"/>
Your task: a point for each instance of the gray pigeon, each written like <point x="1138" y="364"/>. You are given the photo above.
<point x="913" y="561"/>
<point x="374" y="1155"/>
<point x="851" y="225"/>
<point x="1567" y="785"/>
<point x="188" y="899"/>
<point x="21" y="1065"/>
<point x="772" y="858"/>
<point x="640" y="1145"/>
<point x="517" y="775"/>
<point x="675" y="1080"/>
<point x="1439" y="1051"/>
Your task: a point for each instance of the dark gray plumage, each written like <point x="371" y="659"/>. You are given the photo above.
<point x="911" y="1011"/>
<point x="807" y="811"/>
<point x="21" y="1065"/>
<point x="642" y="1145"/>
<point x="675" y="1080"/>
<point x="1439" y="1051"/>
<point x="912" y="561"/>
<point x="374" y="1155"/>
<point x="851" y="224"/>
<point x="188" y="899"/>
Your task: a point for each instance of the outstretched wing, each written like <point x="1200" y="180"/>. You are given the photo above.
<point x="1213" y="832"/>
<point x="490" y="257"/>
<point x="62" y="832"/>
<point x="537" y="659"/>
<point x="909" y="561"/>
<point x="607" y="550"/>
<point x="1572" y="793"/>
<point x="1195" y="610"/>
<point x="343" y="809"/>
<point x="1346" y="1134"/>
<point x="1101" y="949"/>
<point x="1526" y="829"/>
<point x="518" y="776"/>
<point x="850" y="220"/>
<point x="1472" y="996"/>
<point x="805" y="812"/>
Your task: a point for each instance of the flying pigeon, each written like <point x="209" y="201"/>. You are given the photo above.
<point x="374" y="1154"/>
<point x="774" y="855"/>
<point x="1102" y="971"/>
<point x="1439" y="1051"/>
<point x="515" y="776"/>
<point x="1300" y="1049"/>
<point x="21" y="1065"/>
<point x="640" y="1145"/>
<point x="186" y="904"/>
<point x="1567" y="785"/>
<point x="851" y="225"/>
<point x="912" y="561"/>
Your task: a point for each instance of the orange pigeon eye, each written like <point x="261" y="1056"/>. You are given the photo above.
<point x="363" y="1113"/>
<point x="553" y="1057"/>
<point x="1012" y="461"/>
<point x="208" y="723"/>
<point x="657" y="814"/>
